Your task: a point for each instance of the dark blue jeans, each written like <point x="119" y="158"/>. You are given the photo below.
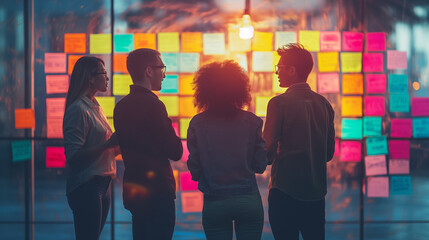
<point x="245" y="210"/>
<point x="90" y="204"/>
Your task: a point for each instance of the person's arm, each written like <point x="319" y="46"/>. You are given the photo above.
<point x="260" y="155"/>
<point x="272" y="130"/>
<point x="331" y="135"/>
<point x="193" y="162"/>
<point x="171" y="145"/>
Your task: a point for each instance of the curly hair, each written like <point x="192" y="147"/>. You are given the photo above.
<point x="296" y="55"/>
<point x="221" y="86"/>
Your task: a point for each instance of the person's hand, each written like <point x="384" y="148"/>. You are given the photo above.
<point x="112" y="142"/>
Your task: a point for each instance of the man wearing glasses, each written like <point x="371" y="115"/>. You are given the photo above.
<point x="147" y="141"/>
<point x="300" y="140"/>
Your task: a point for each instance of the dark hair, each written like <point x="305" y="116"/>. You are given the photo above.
<point x="83" y="71"/>
<point x="221" y="86"/>
<point x="296" y="55"/>
<point x="138" y="60"/>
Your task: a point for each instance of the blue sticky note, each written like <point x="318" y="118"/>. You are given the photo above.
<point x="21" y="150"/>
<point x="351" y="128"/>
<point x="421" y="127"/>
<point x="171" y="60"/>
<point x="372" y="126"/>
<point x="376" y="145"/>
<point x="124" y="43"/>
<point x="398" y="83"/>
<point x="189" y="62"/>
<point x="399" y="102"/>
<point x="400" y="185"/>
<point x="170" y="84"/>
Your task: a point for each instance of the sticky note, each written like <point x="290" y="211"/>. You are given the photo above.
<point x="236" y="44"/>
<point x="262" y="62"/>
<point x="261" y="106"/>
<point x="378" y="186"/>
<point x="100" y="43"/>
<point x="328" y="62"/>
<point x="183" y="128"/>
<point x="189" y="62"/>
<point x="170" y="84"/>
<point x="175" y="126"/>
<point x="168" y="42"/>
<point x="145" y="40"/>
<point x="214" y="43"/>
<point x="374" y="106"/>
<point x="376" y="145"/>
<point x="276" y="85"/>
<point x="186" y="84"/>
<point x="24" y="118"/>
<point x="310" y="40"/>
<point x="192" y="202"/>
<point x="171" y="104"/>
<point x="372" y="126"/>
<point x="351" y="128"/>
<point x="54" y="127"/>
<point x="284" y="37"/>
<point x="375" y="165"/>
<point x="72" y="59"/>
<point x="330" y="41"/>
<point x="120" y="63"/>
<point x="399" y="149"/>
<point x="121" y="84"/>
<point x="399" y="166"/>
<point x="337" y="147"/>
<point x="352" y="41"/>
<point x="186" y="182"/>
<point x="376" y="41"/>
<point x="107" y="104"/>
<point x="75" y="43"/>
<point x="21" y="150"/>
<point x="396" y="60"/>
<point x="421" y="127"/>
<point x="351" y="151"/>
<point x="176" y="178"/>
<point x="55" y="107"/>
<point x="399" y="102"/>
<point x="55" y="157"/>
<point x="57" y="84"/>
<point x="401" y="128"/>
<point x="398" y="83"/>
<point x="124" y="43"/>
<point x="185" y="154"/>
<point x="351" y="106"/>
<point x="55" y="63"/>
<point x="262" y="41"/>
<point x="241" y="59"/>
<point x="375" y="83"/>
<point x="171" y="60"/>
<point x="373" y="62"/>
<point x="191" y="41"/>
<point x="186" y="107"/>
<point x="352" y="84"/>
<point x="420" y="106"/>
<point x="311" y="81"/>
<point x="112" y="126"/>
<point x="400" y="185"/>
<point x="351" y="62"/>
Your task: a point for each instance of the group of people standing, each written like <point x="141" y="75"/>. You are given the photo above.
<point x="227" y="148"/>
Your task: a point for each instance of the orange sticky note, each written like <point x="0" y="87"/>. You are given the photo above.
<point x="192" y="42"/>
<point x="352" y="84"/>
<point x="176" y="178"/>
<point x="351" y="106"/>
<point x="186" y="107"/>
<point x="312" y="81"/>
<point x="75" y="43"/>
<point x="55" y="157"/>
<point x="145" y="40"/>
<point x="186" y="84"/>
<point x="192" y="202"/>
<point x="120" y="63"/>
<point x="72" y="61"/>
<point x="24" y="118"/>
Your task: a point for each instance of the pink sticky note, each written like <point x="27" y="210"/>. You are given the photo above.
<point x="57" y="84"/>
<point x="328" y="83"/>
<point x="376" y="41"/>
<point x="330" y="41"/>
<point x="375" y="83"/>
<point x="352" y="41"/>
<point x="337" y="147"/>
<point x="401" y="128"/>
<point x="350" y="151"/>
<point x="374" y="106"/>
<point x="54" y="127"/>
<point x="55" y="107"/>
<point x="396" y="60"/>
<point x="185" y="151"/>
<point x="378" y="186"/>
<point x="55" y="157"/>
<point x="192" y="202"/>
<point x="55" y="63"/>
<point x="399" y="166"/>
<point x="420" y="106"/>
<point x="375" y="165"/>
<point x="175" y="126"/>
<point x="399" y="149"/>
<point x="186" y="182"/>
<point x="373" y="62"/>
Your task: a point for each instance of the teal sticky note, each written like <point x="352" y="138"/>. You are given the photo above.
<point x="372" y="126"/>
<point x="351" y="128"/>
<point x="171" y="60"/>
<point x="398" y="83"/>
<point x="124" y="43"/>
<point x="189" y="62"/>
<point x="400" y="185"/>
<point x="170" y="84"/>
<point x="421" y="127"/>
<point x="399" y="102"/>
<point x="376" y="145"/>
<point x="21" y="150"/>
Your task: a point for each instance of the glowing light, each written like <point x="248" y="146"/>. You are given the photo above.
<point x="416" y="85"/>
<point x="246" y="28"/>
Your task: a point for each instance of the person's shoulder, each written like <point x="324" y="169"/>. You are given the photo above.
<point x="78" y="106"/>
<point x="251" y="116"/>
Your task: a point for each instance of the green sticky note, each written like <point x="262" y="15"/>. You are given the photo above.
<point x="124" y="43"/>
<point x="170" y="84"/>
<point x="421" y="127"/>
<point x="372" y="126"/>
<point x="21" y="150"/>
<point x="171" y="60"/>
<point x="399" y="102"/>
<point x="400" y="185"/>
<point x="398" y="83"/>
<point x="376" y="145"/>
<point x="351" y="128"/>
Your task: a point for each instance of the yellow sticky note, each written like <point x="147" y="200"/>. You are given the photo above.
<point x="310" y="40"/>
<point x="276" y="58"/>
<point x="261" y="106"/>
<point x="168" y="42"/>
<point x="186" y="107"/>
<point x="276" y="85"/>
<point x="107" y="104"/>
<point x="352" y="84"/>
<point x="328" y="62"/>
<point x="262" y="41"/>
<point x="351" y="62"/>
<point x="75" y="43"/>
<point x="171" y="104"/>
<point x="186" y="84"/>
<point x="351" y="106"/>
<point x="145" y="40"/>
<point x="312" y="81"/>
<point x="121" y="84"/>
<point x="192" y="42"/>
<point x="100" y="43"/>
<point x="112" y="126"/>
<point x="184" y="125"/>
<point x="236" y="44"/>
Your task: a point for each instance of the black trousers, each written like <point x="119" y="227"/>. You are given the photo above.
<point x="289" y="216"/>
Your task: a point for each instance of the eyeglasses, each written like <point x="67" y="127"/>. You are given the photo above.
<point x="276" y="67"/>
<point x="163" y="68"/>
